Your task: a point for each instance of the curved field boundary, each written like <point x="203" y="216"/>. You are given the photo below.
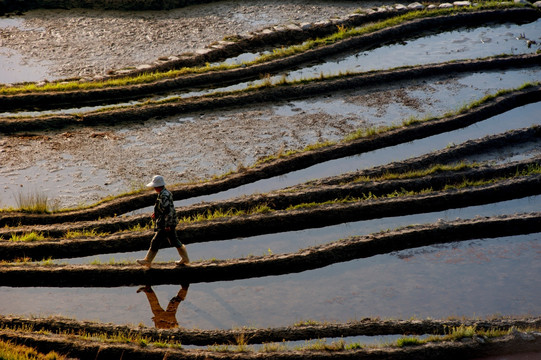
<point x="118" y="116"/>
<point x="279" y="221"/>
<point x="276" y="35"/>
<point x="307" y="259"/>
<point x="443" y="156"/>
<point x="365" y="327"/>
<point x="287" y="164"/>
<point x="282" y="200"/>
<point x="449" y="154"/>
<point x="53" y="100"/>
<point x="467" y="348"/>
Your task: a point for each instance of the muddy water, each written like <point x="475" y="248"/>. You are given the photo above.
<point x="473" y="279"/>
<point x="520" y="117"/>
<point x="454" y="45"/>
<point x="467" y="43"/>
<point x="506" y="155"/>
<point x="12" y="62"/>
<point x="87" y="42"/>
<point x="231" y="137"/>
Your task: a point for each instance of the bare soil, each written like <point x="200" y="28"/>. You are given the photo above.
<point x="283" y="165"/>
<point x="86" y="42"/>
<point x="81" y="166"/>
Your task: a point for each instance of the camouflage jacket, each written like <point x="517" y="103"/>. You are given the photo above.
<point x="164" y="210"/>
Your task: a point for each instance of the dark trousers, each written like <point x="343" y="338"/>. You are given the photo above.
<point x="161" y="235"/>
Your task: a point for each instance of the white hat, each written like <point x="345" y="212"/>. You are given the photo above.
<point x="157" y="181"/>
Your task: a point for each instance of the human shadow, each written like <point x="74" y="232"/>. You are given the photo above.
<point x="164" y="319"/>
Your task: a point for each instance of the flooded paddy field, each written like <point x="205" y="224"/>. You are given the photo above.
<point x="231" y="138"/>
<point x="430" y="213"/>
<point x="477" y="278"/>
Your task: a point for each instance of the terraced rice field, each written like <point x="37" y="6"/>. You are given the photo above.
<point x="361" y="187"/>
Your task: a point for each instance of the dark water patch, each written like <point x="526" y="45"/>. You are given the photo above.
<point x="509" y="154"/>
<point x="495" y="277"/>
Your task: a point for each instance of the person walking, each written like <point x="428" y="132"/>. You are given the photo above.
<point x="165" y="222"/>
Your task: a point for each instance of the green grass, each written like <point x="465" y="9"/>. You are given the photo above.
<point x="32" y="202"/>
<point x="435" y="169"/>
<point x="84" y="233"/>
<point x="226" y="213"/>
<point x="307" y="323"/>
<point x="452" y="334"/>
<point x="29" y="237"/>
<point x="408" y="341"/>
<point x="10" y="351"/>
<point x="264" y="208"/>
<point x="322" y="345"/>
<point x="273" y="347"/>
<point x="533" y="169"/>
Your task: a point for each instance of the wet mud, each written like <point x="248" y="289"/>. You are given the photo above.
<point x="290" y="163"/>
<point x="118" y="94"/>
<point x="366" y="327"/>
<point x="141" y="113"/>
<point x="116" y="42"/>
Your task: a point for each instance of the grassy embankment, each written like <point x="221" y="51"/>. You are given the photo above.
<point x="241" y="345"/>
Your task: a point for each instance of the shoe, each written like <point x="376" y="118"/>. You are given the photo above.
<point x="144" y="262"/>
<point x="147" y="261"/>
<point x="144" y="289"/>
<point x="181" y="263"/>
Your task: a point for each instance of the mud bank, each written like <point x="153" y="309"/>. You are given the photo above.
<point x="311" y="258"/>
<point x="466" y="349"/>
<point x="365" y="327"/>
<point x="54" y="100"/>
<point x="294" y="162"/>
<point x="144" y="112"/>
<point x="445" y="156"/>
<point x="281" y="200"/>
<point x="279" y="221"/>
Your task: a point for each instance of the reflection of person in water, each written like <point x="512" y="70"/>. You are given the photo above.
<point x="165" y="319"/>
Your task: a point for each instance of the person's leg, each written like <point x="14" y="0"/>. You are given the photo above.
<point x="184" y="259"/>
<point x="154" y="247"/>
<point x="174" y="241"/>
